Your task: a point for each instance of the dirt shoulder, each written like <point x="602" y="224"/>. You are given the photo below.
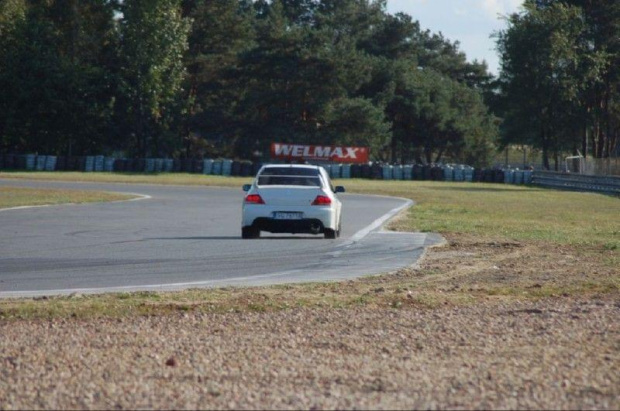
<point x="479" y="324"/>
<point x="553" y="354"/>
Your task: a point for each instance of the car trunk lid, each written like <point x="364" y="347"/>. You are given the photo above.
<point x="289" y="195"/>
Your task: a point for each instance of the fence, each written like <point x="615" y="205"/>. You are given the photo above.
<point x="577" y="182"/>
<point x="602" y="166"/>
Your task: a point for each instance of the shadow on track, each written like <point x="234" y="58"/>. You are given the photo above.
<point x="233" y="238"/>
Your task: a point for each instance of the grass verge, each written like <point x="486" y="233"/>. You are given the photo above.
<point x="130" y="178"/>
<point x="19" y="196"/>
<point x="504" y="242"/>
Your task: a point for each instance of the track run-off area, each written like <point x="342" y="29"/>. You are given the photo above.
<point x="177" y="237"/>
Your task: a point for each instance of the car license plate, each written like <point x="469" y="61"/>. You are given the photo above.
<point x="281" y="215"/>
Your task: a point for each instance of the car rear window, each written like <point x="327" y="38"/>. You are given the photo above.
<point x="290" y="171"/>
<point x="276" y="180"/>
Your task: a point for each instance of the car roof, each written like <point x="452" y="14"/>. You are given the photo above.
<point x="310" y="166"/>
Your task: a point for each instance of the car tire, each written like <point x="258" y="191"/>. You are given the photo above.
<point x="249" y="233"/>
<point x="330" y="234"/>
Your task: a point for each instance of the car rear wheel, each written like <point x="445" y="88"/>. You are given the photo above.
<point x="249" y="233"/>
<point x="330" y="234"/>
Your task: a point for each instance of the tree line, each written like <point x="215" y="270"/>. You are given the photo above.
<point x="191" y="78"/>
<point x="559" y="86"/>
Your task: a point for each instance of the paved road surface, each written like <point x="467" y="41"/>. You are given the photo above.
<point x="184" y="237"/>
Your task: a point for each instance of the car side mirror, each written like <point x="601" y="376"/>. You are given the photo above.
<point x="340" y="189"/>
<point x="246" y="187"/>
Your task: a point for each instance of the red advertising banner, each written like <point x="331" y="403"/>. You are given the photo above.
<point x="339" y="154"/>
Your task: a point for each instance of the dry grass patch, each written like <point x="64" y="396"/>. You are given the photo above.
<point x="130" y="178"/>
<point x="18" y="196"/>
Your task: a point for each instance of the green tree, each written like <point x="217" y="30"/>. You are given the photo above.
<point x="541" y="78"/>
<point x="356" y="121"/>
<point x="53" y="78"/>
<point x="434" y="116"/>
<point x="222" y="31"/>
<point x="153" y="40"/>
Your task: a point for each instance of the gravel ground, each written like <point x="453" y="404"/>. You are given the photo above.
<point x="560" y="353"/>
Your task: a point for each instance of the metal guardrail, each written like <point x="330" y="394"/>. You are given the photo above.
<point x="577" y="182"/>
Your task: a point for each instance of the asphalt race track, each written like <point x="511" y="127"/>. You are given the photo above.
<point x="184" y="237"/>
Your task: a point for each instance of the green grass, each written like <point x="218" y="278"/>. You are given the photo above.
<point x="19" y="196"/>
<point x="549" y="227"/>
<point x="514" y="212"/>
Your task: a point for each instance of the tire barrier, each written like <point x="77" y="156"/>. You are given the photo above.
<point x="235" y="169"/>
<point x="437" y="173"/>
<point x="376" y="172"/>
<point x="108" y="164"/>
<point x="386" y="172"/>
<point x="40" y="164"/>
<point x="8" y="162"/>
<point x="31" y="162"/>
<point x="468" y="174"/>
<point x="397" y="172"/>
<point x="246" y="169"/>
<point x="50" y="163"/>
<point x="61" y="163"/>
<point x="499" y="176"/>
<point x="334" y="171"/>
<point x="197" y="166"/>
<point x="176" y="165"/>
<point x="228" y="167"/>
<point x="217" y="168"/>
<point x="72" y="163"/>
<point x="518" y="177"/>
<point x="89" y="164"/>
<point x="139" y="165"/>
<point x="99" y="163"/>
<point x="459" y="173"/>
<point x="448" y="173"/>
<point x="150" y="165"/>
<point x="407" y="172"/>
<point x="366" y="171"/>
<point x="186" y="165"/>
<point x="256" y="167"/>
<point x="207" y="167"/>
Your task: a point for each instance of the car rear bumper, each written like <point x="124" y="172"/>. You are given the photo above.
<point x="260" y="216"/>
<point x="305" y="225"/>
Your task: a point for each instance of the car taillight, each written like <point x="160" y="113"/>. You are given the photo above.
<point x="254" y="199"/>
<point x="322" y="201"/>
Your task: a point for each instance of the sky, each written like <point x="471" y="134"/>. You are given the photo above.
<point x="471" y="22"/>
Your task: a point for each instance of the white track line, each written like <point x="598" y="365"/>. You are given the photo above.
<point x="378" y="222"/>
<point x="139" y="197"/>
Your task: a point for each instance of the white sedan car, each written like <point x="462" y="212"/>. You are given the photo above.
<point x="291" y="199"/>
